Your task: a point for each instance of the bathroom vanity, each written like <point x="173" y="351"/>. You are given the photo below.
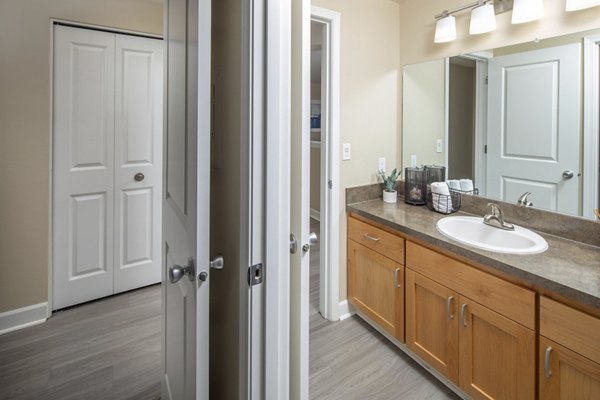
<point x="489" y="325"/>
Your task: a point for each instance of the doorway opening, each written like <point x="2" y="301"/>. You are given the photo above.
<point x="324" y="160"/>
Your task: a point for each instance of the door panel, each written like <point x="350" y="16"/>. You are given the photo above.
<point x="432" y="323"/>
<point x="569" y="376"/>
<point x="534" y="127"/>
<point x="497" y="358"/>
<point x="83" y="129"/>
<point x="185" y="202"/>
<point x="138" y="150"/>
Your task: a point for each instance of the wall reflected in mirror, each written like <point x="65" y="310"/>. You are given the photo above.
<point x="517" y="119"/>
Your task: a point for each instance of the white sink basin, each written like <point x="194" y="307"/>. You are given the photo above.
<point x="473" y="232"/>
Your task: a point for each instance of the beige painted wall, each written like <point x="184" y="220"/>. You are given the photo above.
<point x="369" y="62"/>
<point x="417" y="28"/>
<point x="25" y="129"/>
<point x="423" y="115"/>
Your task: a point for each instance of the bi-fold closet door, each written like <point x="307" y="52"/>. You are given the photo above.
<point x="107" y="163"/>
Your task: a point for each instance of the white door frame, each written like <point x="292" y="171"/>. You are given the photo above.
<point x="591" y="123"/>
<point x="54" y="21"/>
<point x="277" y="198"/>
<point x="330" y="193"/>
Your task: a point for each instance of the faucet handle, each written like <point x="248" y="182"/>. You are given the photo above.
<point x="493" y="209"/>
<point x="523" y="200"/>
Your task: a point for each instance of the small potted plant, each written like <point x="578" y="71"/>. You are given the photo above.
<point x="389" y="194"/>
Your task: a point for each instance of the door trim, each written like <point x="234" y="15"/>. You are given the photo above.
<point x="277" y="198"/>
<point x="591" y="124"/>
<point x="329" y="301"/>
<point x="75" y="24"/>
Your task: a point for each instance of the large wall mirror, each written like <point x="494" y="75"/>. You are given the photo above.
<point x="516" y="119"/>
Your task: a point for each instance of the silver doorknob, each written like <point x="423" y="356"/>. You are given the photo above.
<point x="218" y="262"/>
<point x="293" y="244"/>
<point x="312" y="240"/>
<point x="176" y="272"/>
<point x="139" y="177"/>
<point x="567" y="174"/>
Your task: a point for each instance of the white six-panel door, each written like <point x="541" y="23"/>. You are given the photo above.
<point x="534" y="127"/>
<point x="107" y="126"/>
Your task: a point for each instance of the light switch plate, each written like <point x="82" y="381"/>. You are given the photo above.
<point x="381" y="164"/>
<point x="413" y="160"/>
<point x="438" y="145"/>
<point x="345" y="151"/>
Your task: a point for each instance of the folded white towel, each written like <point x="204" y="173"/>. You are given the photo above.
<point x="440" y="196"/>
<point x="466" y="185"/>
<point x="454" y="184"/>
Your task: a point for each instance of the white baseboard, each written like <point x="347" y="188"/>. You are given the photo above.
<point x="345" y="310"/>
<point x="23" y="317"/>
<point x="315" y="214"/>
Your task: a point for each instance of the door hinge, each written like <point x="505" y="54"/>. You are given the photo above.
<point x="485" y="149"/>
<point x="330" y="184"/>
<point x="486" y="80"/>
<point x="255" y="274"/>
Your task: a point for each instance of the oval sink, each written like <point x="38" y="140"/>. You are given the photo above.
<point x="473" y="232"/>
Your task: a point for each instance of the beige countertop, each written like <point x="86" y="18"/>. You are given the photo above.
<point x="568" y="268"/>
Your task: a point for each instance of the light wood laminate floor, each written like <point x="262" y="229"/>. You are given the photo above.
<point x="351" y="360"/>
<point x="110" y="349"/>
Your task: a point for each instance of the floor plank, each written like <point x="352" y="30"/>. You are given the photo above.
<point x="351" y="360"/>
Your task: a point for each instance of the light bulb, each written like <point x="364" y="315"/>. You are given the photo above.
<point x="445" y="29"/>
<point x="483" y="19"/>
<point x="527" y="10"/>
<point x="574" y="5"/>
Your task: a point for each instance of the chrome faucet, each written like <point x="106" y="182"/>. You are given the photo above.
<point x="523" y="200"/>
<point x="494" y="217"/>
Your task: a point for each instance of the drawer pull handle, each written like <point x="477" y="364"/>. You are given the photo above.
<point x="547" y="370"/>
<point x="462" y="314"/>
<point x="373" y="238"/>
<point x="396" y="284"/>
<point x="449" y="307"/>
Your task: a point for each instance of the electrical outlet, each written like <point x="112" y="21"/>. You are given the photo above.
<point x="345" y="151"/>
<point x="413" y="160"/>
<point x="381" y="164"/>
<point x="438" y="145"/>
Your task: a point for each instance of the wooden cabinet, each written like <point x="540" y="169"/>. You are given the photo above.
<point x="376" y="282"/>
<point x="569" y="354"/>
<point x="497" y="355"/>
<point x="431" y="323"/>
<point x="486" y="349"/>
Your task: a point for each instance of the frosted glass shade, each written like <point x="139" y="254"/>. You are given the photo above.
<point x="445" y="29"/>
<point x="527" y="10"/>
<point x="574" y="5"/>
<point x="483" y="19"/>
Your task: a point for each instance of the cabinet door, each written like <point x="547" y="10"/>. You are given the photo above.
<point x="376" y="288"/>
<point x="432" y="323"/>
<point x="497" y="355"/>
<point x="566" y="375"/>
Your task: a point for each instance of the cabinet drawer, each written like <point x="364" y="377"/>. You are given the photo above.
<point x="506" y="298"/>
<point x="383" y="242"/>
<point x="572" y="328"/>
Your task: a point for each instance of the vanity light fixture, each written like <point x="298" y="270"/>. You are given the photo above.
<point x="574" y="5"/>
<point x="483" y="18"/>
<point x="527" y="10"/>
<point x="445" y="28"/>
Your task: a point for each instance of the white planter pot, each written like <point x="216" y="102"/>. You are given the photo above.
<point x="390" y="197"/>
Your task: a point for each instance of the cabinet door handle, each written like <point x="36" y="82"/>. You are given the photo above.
<point x="449" y="307"/>
<point x="373" y="238"/>
<point x="547" y="370"/>
<point x="462" y="314"/>
<point x="396" y="284"/>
